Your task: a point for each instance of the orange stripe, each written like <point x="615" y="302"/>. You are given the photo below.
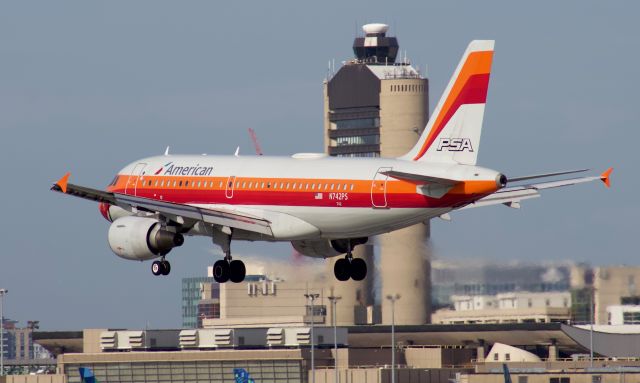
<point x="476" y="63"/>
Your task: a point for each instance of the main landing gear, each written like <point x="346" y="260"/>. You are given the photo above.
<point x="349" y="267"/>
<point x="227" y="269"/>
<point x="161" y="267"/>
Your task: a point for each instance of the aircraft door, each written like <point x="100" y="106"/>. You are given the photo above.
<point x="136" y="175"/>
<point x="379" y="188"/>
<point x="229" y="186"/>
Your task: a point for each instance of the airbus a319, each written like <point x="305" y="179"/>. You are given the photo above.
<point x="324" y="206"/>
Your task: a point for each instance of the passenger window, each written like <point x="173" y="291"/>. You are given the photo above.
<point x="281" y="185"/>
<point x="180" y="183"/>
<point x="186" y="183"/>
<point x="244" y="184"/>
<point x="220" y="185"/>
<point x="332" y="185"/>
<point x="313" y="186"/>
<point x="351" y="187"/>
<point x="262" y="185"/>
<point x="294" y="186"/>
<point x="250" y="185"/>
<point x="174" y="183"/>
<point x="344" y="187"/>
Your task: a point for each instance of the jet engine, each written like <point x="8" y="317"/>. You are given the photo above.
<point x="141" y="238"/>
<point x="326" y="248"/>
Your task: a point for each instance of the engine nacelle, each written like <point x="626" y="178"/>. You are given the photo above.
<point x="326" y="248"/>
<point x="140" y="238"/>
<point x="111" y="212"/>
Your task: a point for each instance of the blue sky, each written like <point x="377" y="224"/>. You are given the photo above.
<point x="88" y="87"/>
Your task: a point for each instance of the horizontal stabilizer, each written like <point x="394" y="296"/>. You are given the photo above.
<point x="531" y="177"/>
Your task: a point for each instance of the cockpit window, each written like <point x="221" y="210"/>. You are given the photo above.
<point x="114" y="181"/>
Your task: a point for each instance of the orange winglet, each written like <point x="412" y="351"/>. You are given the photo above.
<point x="606" y="177"/>
<point x="62" y="182"/>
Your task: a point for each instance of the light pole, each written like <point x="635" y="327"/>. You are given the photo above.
<point x="393" y="299"/>
<point x="312" y="297"/>
<point x="3" y="292"/>
<point x="591" y="320"/>
<point x="334" y="301"/>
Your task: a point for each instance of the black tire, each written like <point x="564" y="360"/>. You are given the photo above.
<point x="237" y="271"/>
<point x="156" y="268"/>
<point x="166" y="267"/>
<point x="221" y="271"/>
<point x="342" y="270"/>
<point x="358" y="269"/>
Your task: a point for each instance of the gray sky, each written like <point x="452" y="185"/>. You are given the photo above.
<point x="88" y="87"/>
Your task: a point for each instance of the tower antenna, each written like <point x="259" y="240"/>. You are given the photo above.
<point x="256" y="144"/>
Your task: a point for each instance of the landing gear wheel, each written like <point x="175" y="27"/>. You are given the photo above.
<point x="237" y="271"/>
<point x="342" y="269"/>
<point x="166" y="267"/>
<point x="358" y="269"/>
<point x="221" y="272"/>
<point x="156" y="268"/>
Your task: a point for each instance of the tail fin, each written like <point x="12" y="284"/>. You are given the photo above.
<point x="87" y="375"/>
<point x="452" y="134"/>
<point x="242" y="376"/>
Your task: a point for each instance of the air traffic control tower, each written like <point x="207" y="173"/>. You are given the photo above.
<point x="377" y="106"/>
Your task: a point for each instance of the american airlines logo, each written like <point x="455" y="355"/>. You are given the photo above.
<point x="174" y="170"/>
<point x="455" y="144"/>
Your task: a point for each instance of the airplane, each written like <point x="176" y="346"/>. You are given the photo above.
<point x="324" y="206"/>
<point x="87" y="376"/>
<point x="242" y="376"/>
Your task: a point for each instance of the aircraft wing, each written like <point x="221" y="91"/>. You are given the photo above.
<point x="511" y="196"/>
<point x="174" y="211"/>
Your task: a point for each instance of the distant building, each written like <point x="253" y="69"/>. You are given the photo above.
<point x="192" y="290"/>
<point x="514" y="307"/>
<point x="623" y="315"/>
<point x="450" y="278"/>
<point x="614" y="286"/>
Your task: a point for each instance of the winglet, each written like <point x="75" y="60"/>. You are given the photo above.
<point x="606" y="177"/>
<point x="61" y="185"/>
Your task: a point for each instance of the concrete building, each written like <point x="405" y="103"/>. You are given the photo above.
<point x="477" y="278"/>
<point x="375" y="106"/>
<point x="613" y="286"/>
<point x="618" y="315"/>
<point x="264" y="303"/>
<point x="515" y="307"/>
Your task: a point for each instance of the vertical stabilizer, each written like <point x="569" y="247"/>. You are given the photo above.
<point x="452" y="134"/>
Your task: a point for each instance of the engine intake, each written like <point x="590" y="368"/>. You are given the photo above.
<point x="140" y="238"/>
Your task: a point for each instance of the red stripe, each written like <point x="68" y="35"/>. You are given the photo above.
<point x="302" y="198"/>
<point x="473" y="92"/>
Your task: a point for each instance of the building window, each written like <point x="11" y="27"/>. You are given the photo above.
<point x="507" y="357"/>
<point x="596" y="378"/>
<point x="357" y="123"/>
<point x="496" y="356"/>
<point x="523" y="379"/>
